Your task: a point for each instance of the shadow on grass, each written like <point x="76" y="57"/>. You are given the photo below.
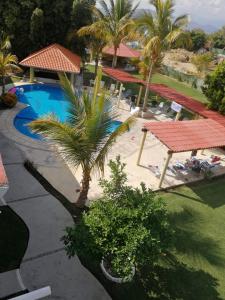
<point x="179" y="282"/>
<point x="210" y="193"/>
<point x="192" y="242"/>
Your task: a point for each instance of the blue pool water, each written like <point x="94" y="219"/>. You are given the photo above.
<point x="42" y="99"/>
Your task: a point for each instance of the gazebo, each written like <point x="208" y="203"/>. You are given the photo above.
<point x="122" y="51"/>
<point x="184" y="136"/>
<point x="123" y="77"/>
<point x="53" y="58"/>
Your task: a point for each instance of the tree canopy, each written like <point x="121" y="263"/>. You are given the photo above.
<point x="32" y="24"/>
<point x="214" y="88"/>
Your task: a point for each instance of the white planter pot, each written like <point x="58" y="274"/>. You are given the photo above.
<point x="116" y="279"/>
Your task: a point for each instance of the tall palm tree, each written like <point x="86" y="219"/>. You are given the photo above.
<point x="7" y="67"/>
<point x="85" y="138"/>
<point x="159" y="33"/>
<point x="97" y="40"/>
<point x="112" y="23"/>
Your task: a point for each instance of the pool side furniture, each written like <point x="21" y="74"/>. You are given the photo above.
<point x="4" y="186"/>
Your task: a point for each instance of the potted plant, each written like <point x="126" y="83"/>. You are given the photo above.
<point x="125" y="229"/>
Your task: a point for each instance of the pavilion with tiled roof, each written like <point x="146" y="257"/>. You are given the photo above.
<point x="53" y="58"/>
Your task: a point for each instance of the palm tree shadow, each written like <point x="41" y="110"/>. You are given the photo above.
<point x="189" y="241"/>
<point x="179" y="282"/>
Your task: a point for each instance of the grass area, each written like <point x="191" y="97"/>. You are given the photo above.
<point x="180" y="87"/>
<point x="14" y="236"/>
<point x="196" y="268"/>
<point x="173" y="83"/>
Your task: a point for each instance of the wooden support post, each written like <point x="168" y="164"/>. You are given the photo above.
<point x="120" y="95"/>
<point x="196" y="116"/>
<point x="139" y="96"/>
<point x="178" y="116"/>
<point x="117" y="85"/>
<point x="31" y="75"/>
<point x="142" y="145"/>
<point x="165" y="168"/>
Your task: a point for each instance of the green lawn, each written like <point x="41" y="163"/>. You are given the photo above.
<point x="195" y="270"/>
<point x="14" y="236"/>
<point x="180" y="87"/>
<point x="173" y="83"/>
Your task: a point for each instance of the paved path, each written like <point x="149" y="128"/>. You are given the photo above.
<point x="45" y="262"/>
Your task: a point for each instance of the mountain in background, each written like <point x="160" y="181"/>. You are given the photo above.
<point x="209" y="28"/>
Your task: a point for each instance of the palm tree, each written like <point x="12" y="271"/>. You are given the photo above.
<point x="97" y="41"/>
<point x="159" y="33"/>
<point x="85" y="138"/>
<point x="112" y="23"/>
<point x="7" y="67"/>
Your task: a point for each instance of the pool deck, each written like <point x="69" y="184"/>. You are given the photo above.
<point x="66" y="179"/>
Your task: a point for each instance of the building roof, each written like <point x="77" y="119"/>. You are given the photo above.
<point x="54" y="58"/>
<point x="122" y="51"/>
<point x="187" y="102"/>
<point x="182" y="136"/>
<point x="121" y="76"/>
<point x="3" y="177"/>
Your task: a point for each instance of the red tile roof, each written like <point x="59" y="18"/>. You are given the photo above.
<point x="122" y="51"/>
<point x="54" y="57"/>
<point x="121" y="76"/>
<point x="3" y="177"/>
<point x="182" y="136"/>
<point x="188" y="102"/>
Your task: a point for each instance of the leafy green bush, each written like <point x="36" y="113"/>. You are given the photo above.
<point x="9" y="100"/>
<point x="214" y="88"/>
<point x="127" y="226"/>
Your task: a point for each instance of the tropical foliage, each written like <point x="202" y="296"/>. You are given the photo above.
<point x="198" y="38"/>
<point x="32" y="23"/>
<point x="127" y="226"/>
<point x="218" y="38"/>
<point x="203" y="62"/>
<point x="86" y="138"/>
<point x="112" y="23"/>
<point x="8" y="66"/>
<point x="159" y="33"/>
<point x="214" y="88"/>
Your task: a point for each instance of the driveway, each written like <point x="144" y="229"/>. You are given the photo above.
<point x="45" y="262"/>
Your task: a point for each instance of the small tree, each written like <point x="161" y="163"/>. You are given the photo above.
<point x="127" y="226"/>
<point x="202" y="62"/>
<point x="199" y="38"/>
<point x="214" y="88"/>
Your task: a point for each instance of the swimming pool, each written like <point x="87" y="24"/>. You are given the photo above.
<point x="42" y="99"/>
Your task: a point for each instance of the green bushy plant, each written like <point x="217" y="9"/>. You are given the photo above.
<point x="214" y="88"/>
<point x="127" y="226"/>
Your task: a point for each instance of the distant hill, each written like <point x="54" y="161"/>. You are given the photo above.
<point x="209" y="28"/>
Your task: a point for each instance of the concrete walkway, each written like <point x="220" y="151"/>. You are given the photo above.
<point x="45" y="262"/>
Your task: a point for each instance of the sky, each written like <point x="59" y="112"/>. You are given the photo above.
<point x="209" y="13"/>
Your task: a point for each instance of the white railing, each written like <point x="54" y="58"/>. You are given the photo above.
<point x="35" y="295"/>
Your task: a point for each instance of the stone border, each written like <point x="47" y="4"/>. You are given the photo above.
<point x="7" y="117"/>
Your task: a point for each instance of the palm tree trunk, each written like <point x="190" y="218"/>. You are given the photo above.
<point x="147" y="89"/>
<point x="85" y="184"/>
<point x="114" y="62"/>
<point x="96" y="64"/>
